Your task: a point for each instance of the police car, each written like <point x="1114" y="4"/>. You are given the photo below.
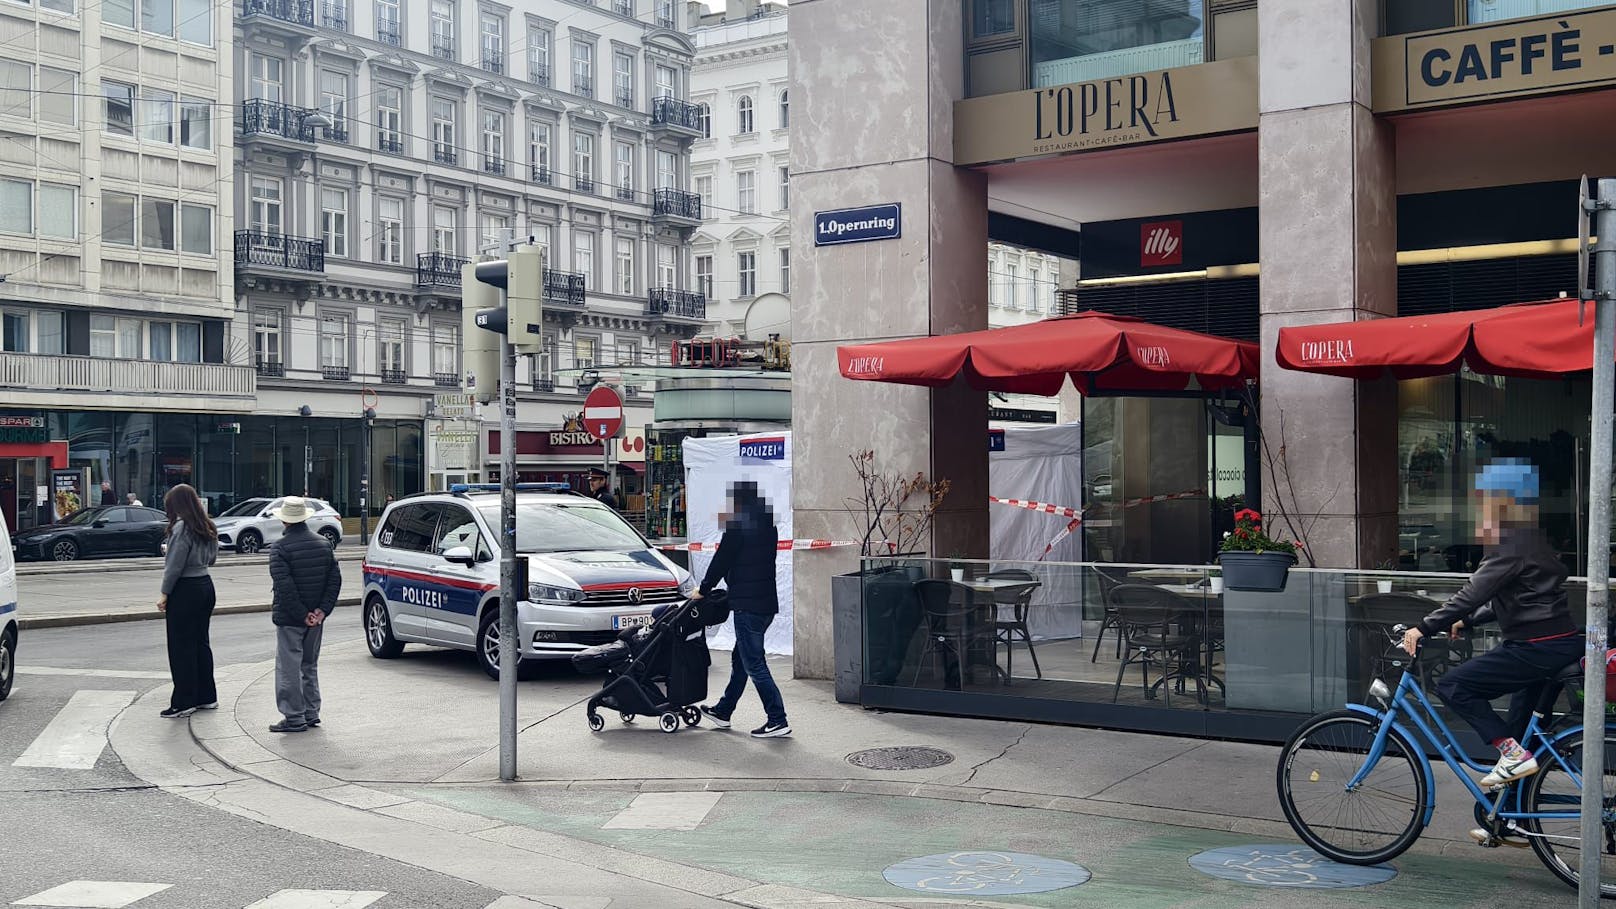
<point x="432" y="574"/>
<point x="8" y="613"/>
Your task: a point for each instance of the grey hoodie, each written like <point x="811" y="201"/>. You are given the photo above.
<point x="188" y="557"/>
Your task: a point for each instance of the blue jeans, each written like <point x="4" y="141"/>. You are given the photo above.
<point x="748" y="662"/>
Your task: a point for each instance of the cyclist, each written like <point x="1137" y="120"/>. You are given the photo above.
<point x="1520" y="583"/>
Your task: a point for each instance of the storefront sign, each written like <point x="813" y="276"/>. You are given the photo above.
<point x="455" y="449"/>
<point x="772" y="448"/>
<point x="23" y="429"/>
<point x="1161" y="243"/>
<point x="1489" y="62"/>
<point x="858" y="225"/>
<point x="577" y="439"/>
<point x="69" y="491"/>
<point x="995" y="439"/>
<point x="454" y="406"/>
<point x="1200" y="100"/>
<point x="1020" y="415"/>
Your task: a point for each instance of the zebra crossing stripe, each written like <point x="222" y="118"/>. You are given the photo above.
<point x="94" y="894"/>
<point x="76" y="736"/>
<point x="319" y="899"/>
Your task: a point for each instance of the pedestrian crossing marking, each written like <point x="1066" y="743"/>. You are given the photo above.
<point x="319" y="899"/>
<point x="77" y="735"/>
<point x="665" y="811"/>
<point x="92" y="673"/>
<point x="94" y="894"/>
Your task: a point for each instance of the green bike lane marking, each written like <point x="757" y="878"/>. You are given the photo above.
<point x="841" y="843"/>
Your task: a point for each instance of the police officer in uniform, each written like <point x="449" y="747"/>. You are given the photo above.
<point x="598" y="489"/>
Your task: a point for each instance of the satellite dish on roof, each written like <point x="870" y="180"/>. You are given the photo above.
<point x="769" y="314"/>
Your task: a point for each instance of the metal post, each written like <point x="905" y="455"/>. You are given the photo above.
<point x="606" y="465"/>
<point x="308" y="458"/>
<point x="364" y="478"/>
<point x="510" y="648"/>
<point x="1599" y="489"/>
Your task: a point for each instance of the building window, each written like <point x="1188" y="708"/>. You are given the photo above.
<point x="746" y="191"/>
<point x="583" y="161"/>
<point x="443" y="230"/>
<point x="743" y="110"/>
<point x="157" y="17"/>
<point x="667" y="82"/>
<point x="264" y="208"/>
<point x="390" y="336"/>
<point x="388" y="19"/>
<point x="196" y="124"/>
<point x="115" y="338"/>
<point x="667" y="170"/>
<point x="390" y="118"/>
<point x="266" y="78"/>
<point x="538" y="151"/>
<point x="117" y="219"/>
<point x="157" y="117"/>
<point x="704" y="189"/>
<point x="583" y="69"/>
<point x="160" y="340"/>
<point x="120" y="108"/>
<point x="623" y="159"/>
<point x="16" y="206"/>
<point x="496" y="229"/>
<point x="156" y="224"/>
<point x="785" y="187"/>
<point x="196" y="229"/>
<point x="1035" y="290"/>
<point x="628" y="353"/>
<point x="704" y="275"/>
<point x="785" y="269"/>
<point x="494" y="141"/>
<point x="196" y="22"/>
<point x="58" y="97"/>
<point x="583" y="256"/>
<point x="118" y="12"/>
<point x="334" y="100"/>
<point x="493" y="43"/>
<point x="266" y="336"/>
<point x="1107" y="40"/>
<point x="58" y="211"/>
<point x="704" y="120"/>
<point x="176" y="342"/>
<point x="334" y="221"/>
<point x="442" y="21"/>
<point x="785" y="111"/>
<point x="443" y="130"/>
<point x="585" y="352"/>
<point x="445" y="349"/>
<point x="748" y="268"/>
<point x="665" y="16"/>
<point x="538" y="55"/>
<point x="623" y="79"/>
<point x="625" y="266"/>
<point x="49" y="335"/>
<point x="16" y="89"/>
<point x="390" y="239"/>
<point x="667" y="273"/>
<point x="333" y="340"/>
<point x="993" y="17"/>
<point x="16" y="334"/>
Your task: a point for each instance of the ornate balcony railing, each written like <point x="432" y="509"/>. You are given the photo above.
<point x="625" y="99"/>
<point x="674" y="112"/>
<point x="542" y="175"/>
<point x="334" y="15"/>
<point x="445" y="154"/>
<point x="274" y="369"/>
<point x="335" y="373"/>
<point x="544" y="385"/>
<point x="495" y="166"/>
<point x="394" y="377"/>
<point x="274" y="118"/>
<point x="390" y="142"/>
<point x="584" y="184"/>
<point x="564" y="287"/>
<point x="297" y="12"/>
<point x="626" y="193"/>
<point x="494" y="61"/>
<point x="539" y="73"/>
<point x="676" y="304"/>
<point x="446" y="380"/>
<point x="279" y="251"/>
<point x="676" y="203"/>
<point x="583" y="86"/>
<point x="104" y="375"/>
<point x="387" y="32"/>
<point x="438" y="270"/>
<point x="337" y="131"/>
<point x="443" y="46"/>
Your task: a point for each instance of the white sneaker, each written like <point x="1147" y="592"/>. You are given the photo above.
<point x="213" y="705"/>
<point x="1507" y="770"/>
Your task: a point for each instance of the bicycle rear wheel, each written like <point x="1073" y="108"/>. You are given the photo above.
<point x="1558" y="841"/>
<point x="1367" y="825"/>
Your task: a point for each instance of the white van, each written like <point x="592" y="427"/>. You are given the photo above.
<point x="8" y="612"/>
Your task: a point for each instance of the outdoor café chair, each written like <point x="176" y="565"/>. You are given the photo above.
<point x="1158" y="630"/>
<point x="1007" y="627"/>
<point x="948" y="628"/>
<point x="1108" y="583"/>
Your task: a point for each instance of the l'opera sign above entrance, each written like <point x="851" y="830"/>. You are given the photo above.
<point x="1495" y="62"/>
<point x="1205" y="99"/>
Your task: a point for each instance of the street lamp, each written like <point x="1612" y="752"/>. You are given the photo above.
<point x="308" y="453"/>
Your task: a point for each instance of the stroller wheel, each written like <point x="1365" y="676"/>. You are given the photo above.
<point x="628" y="717"/>
<point x="690" y="715"/>
<point x="596" y="722"/>
<point x="670" y="722"/>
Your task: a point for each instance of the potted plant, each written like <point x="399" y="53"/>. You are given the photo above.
<point x="1384" y="585"/>
<point x="1252" y="560"/>
<point x="956" y="567"/>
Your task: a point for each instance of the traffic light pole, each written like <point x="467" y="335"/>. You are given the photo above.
<point x="510" y="645"/>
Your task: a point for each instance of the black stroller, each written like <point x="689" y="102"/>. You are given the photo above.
<point x="658" y="669"/>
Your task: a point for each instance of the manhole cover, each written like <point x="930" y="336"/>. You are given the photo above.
<point x="904" y="757"/>
<point x="985" y="873"/>
<point x="1286" y="865"/>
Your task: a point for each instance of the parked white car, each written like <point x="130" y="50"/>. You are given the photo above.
<point x="251" y="525"/>
<point x="8" y="613"/>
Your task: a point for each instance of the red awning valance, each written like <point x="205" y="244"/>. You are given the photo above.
<point x="1100" y="352"/>
<point x="1532" y="340"/>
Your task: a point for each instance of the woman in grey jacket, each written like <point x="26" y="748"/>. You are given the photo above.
<point x="187" y="602"/>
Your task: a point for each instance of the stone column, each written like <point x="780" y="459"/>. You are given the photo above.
<point x="1328" y="233"/>
<point x="872" y="93"/>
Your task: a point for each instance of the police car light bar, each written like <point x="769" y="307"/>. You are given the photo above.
<point x="520" y="487"/>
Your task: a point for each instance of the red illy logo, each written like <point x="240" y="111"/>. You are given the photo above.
<point x="1161" y="243"/>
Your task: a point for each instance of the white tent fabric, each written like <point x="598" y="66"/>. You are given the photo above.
<point x="711" y="464"/>
<point x="1043" y="464"/>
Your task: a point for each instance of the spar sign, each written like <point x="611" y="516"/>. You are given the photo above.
<point x="858" y="225"/>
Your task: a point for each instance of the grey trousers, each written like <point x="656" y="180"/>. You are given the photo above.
<point x="297" y="672"/>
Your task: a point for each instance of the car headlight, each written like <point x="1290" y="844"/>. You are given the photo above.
<point x="549" y="595"/>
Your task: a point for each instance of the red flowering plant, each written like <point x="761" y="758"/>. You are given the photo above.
<point x="1248" y="536"/>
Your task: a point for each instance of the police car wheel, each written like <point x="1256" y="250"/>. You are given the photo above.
<point x="596" y="722"/>
<point x="8" y="663"/>
<point x="670" y="722"/>
<point x="249" y="542"/>
<point x="379" y="631"/>
<point x="488" y="642"/>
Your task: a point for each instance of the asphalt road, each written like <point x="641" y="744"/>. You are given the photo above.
<point x="128" y="588"/>
<point x="101" y="824"/>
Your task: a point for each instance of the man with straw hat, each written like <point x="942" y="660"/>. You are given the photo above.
<point x="307" y="581"/>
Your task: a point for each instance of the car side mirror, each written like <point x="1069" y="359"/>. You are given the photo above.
<point x="99" y="524"/>
<point x="267" y="514"/>
<point x="460" y="555"/>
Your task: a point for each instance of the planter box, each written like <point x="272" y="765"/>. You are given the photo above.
<point x="1265" y="571"/>
<point x="881" y="641"/>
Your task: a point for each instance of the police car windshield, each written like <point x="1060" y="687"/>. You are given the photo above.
<point x="554" y="527"/>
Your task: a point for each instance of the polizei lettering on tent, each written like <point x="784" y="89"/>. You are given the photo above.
<point x="1099" y="113"/>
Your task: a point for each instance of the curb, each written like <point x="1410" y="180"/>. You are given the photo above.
<point x="151" y="563"/>
<point x="109" y="618"/>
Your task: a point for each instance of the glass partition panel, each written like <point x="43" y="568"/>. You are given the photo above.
<point x="1084" y="40"/>
<point x="1497" y="10"/>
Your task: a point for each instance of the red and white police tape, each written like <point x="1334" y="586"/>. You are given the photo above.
<point x="782" y="546"/>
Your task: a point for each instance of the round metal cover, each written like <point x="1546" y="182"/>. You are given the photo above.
<point x="903" y="757"/>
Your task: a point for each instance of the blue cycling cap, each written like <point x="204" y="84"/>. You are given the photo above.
<point x="1514" y="477"/>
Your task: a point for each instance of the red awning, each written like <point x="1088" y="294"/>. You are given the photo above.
<point x="1100" y="352"/>
<point x="1531" y="340"/>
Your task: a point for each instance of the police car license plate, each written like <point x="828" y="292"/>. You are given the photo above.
<point x="619" y="622"/>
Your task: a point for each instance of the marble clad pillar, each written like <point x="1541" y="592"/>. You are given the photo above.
<point x="1328" y="233"/>
<point x="872" y="92"/>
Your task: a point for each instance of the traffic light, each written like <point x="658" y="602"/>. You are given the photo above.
<point x="480" y="348"/>
<point x="522" y="277"/>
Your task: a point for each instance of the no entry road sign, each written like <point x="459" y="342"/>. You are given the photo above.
<point x="603" y="413"/>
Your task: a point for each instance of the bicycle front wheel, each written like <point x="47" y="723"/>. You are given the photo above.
<point x="1370" y="823"/>
<point x="1558" y="841"/>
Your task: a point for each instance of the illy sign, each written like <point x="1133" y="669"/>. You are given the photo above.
<point x="1161" y="243"/>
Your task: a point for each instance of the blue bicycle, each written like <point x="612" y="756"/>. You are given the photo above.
<point x="1357" y="785"/>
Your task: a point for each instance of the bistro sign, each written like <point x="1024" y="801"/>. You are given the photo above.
<point x="1198" y="100"/>
<point x="1489" y="62"/>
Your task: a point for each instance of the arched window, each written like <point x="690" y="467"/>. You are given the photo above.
<point x="704" y="120"/>
<point x="744" y="108"/>
<point x="785" y="110"/>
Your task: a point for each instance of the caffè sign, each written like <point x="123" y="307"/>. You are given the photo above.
<point x="1517" y="58"/>
<point x="1204" y="99"/>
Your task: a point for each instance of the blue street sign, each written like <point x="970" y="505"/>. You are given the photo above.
<point x="858" y="225"/>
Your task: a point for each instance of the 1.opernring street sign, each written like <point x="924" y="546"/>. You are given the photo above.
<point x="858" y="225"/>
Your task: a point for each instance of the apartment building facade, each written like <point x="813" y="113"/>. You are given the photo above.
<point x="384" y="143"/>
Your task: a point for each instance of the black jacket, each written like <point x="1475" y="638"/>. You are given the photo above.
<point x="745" y="562"/>
<point x="1520" y="582"/>
<point x="305" y="573"/>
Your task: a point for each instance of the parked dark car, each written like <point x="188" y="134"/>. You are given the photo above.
<point x="103" y="531"/>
